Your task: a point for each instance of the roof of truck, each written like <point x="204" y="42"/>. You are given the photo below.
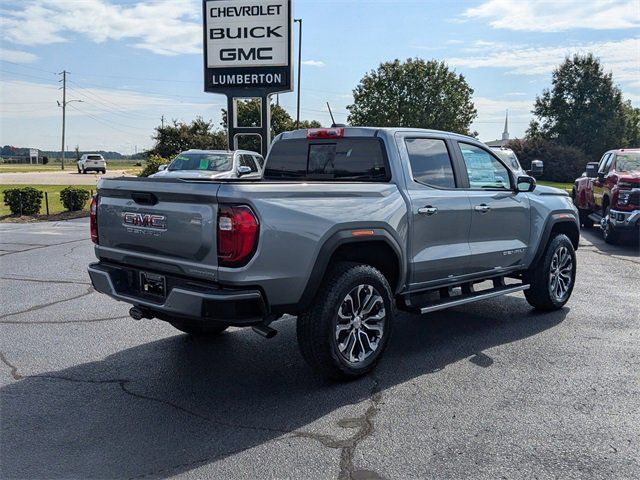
<point x="195" y="150"/>
<point x="370" y="132"/>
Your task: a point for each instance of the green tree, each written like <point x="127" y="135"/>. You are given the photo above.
<point x="179" y="136"/>
<point x="416" y="93"/>
<point x="631" y="137"/>
<point x="583" y="108"/>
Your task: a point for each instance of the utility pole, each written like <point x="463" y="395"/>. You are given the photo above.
<point x="299" y="20"/>
<point x="64" y="110"/>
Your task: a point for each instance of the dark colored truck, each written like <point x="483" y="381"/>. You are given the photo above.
<point x="608" y="194"/>
<point x="347" y="226"/>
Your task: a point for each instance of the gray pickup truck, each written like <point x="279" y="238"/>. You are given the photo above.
<point x="347" y="226"/>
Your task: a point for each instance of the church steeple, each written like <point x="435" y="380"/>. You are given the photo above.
<point x="505" y="134"/>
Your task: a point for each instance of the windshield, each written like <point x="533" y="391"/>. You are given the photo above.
<point x="208" y="162"/>
<point x="627" y="162"/>
<point x="509" y="157"/>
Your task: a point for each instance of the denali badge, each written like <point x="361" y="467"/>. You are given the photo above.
<point x="145" y="220"/>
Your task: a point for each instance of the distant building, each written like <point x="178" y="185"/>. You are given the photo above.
<point x="505" y="135"/>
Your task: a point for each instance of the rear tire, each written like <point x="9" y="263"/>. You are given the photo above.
<point x="552" y="279"/>
<point x="200" y="329"/>
<point x="347" y="328"/>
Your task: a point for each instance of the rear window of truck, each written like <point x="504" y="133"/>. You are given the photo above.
<point x="346" y="159"/>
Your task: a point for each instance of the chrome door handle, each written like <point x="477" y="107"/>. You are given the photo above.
<point x="482" y="208"/>
<point x="428" y="211"/>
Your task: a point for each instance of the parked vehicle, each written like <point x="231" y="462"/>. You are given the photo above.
<point x="92" y="162"/>
<point x="348" y="225"/>
<point x="608" y="194"/>
<point x="213" y="164"/>
<point x="511" y="159"/>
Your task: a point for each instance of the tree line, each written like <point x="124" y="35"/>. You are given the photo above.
<point x="579" y="117"/>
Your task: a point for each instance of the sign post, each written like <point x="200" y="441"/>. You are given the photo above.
<point x="247" y="54"/>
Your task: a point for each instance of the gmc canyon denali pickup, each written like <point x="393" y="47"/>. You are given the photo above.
<point x="347" y="226"/>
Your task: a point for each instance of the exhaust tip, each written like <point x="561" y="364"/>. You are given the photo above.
<point x="264" y="331"/>
<point x="138" y="314"/>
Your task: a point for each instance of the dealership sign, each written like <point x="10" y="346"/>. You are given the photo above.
<point x="247" y="46"/>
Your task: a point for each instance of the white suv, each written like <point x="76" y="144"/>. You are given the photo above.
<point x="92" y="162"/>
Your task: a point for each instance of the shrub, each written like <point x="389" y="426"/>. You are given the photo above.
<point x="152" y="165"/>
<point x="23" y="201"/>
<point x="562" y="163"/>
<point x="74" y="198"/>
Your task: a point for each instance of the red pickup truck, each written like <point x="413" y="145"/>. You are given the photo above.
<point x="608" y="193"/>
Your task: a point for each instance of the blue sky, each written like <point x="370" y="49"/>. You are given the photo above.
<point x="132" y="62"/>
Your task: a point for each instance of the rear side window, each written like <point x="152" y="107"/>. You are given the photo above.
<point x="430" y="162"/>
<point x="348" y="159"/>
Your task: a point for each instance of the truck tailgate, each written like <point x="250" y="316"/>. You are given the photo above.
<point x="158" y="220"/>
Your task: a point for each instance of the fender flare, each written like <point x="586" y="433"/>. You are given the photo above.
<point x="552" y="221"/>
<point x="331" y="245"/>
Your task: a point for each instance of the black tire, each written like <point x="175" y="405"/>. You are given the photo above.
<point x="79" y="170"/>
<point x="84" y="171"/>
<point x="585" y="221"/>
<point x="541" y="294"/>
<point x="318" y="328"/>
<point x="608" y="231"/>
<point x="104" y="170"/>
<point x="200" y="329"/>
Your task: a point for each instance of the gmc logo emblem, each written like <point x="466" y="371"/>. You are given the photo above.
<point x="145" y="220"/>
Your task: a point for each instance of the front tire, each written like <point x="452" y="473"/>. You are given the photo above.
<point x="347" y="328"/>
<point x="200" y="329"/>
<point x="608" y="231"/>
<point x="552" y="279"/>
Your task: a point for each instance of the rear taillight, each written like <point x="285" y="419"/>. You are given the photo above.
<point x="238" y="231"/>
<point x="93" y="218"/>
<point x="324" y="133"/>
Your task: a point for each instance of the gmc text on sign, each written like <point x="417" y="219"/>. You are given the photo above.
<point x="247" y="44"/>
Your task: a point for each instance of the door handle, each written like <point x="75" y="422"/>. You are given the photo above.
<point x="428" y="210"/>
<point x="482" y="208"/>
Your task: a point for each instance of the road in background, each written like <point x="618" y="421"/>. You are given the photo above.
<point x="489" y="390"/>
<point x="67" y="177"/>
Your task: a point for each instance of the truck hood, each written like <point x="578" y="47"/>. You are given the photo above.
<point x="631" y="177"/>
<point x="545" y="190"/>
<point x="192" y="174"/>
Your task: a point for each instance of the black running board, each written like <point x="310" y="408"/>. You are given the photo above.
<point x="595" y="218"/>
<point x="471" y="297"/>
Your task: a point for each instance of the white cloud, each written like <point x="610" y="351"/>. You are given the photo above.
<point x="621" y="57"/>
<point x="314" y="63"/>
<point x="166" y="27"/>
<point x="17" y="56"/>
<point x="557" y="15"/>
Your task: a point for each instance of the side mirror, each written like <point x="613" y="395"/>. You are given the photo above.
<point x="592" y="169"/>
<point x="537" y="168"/>
<point x="162" y="168"/>
<point x="525" y="184"/>
<point x="243" y="170"/>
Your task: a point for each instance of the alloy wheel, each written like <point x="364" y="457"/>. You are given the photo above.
<point x="561" y="273"/>
<point x="360" y="324"/>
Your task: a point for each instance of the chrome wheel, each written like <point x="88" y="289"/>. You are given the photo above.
<point x="561" y="273"/>
<point x="360" y="324"/>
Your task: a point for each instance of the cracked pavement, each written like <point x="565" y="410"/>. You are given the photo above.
<point x="488" y="390"/>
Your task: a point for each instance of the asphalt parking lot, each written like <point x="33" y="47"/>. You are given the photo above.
<point x="489" y="390"/>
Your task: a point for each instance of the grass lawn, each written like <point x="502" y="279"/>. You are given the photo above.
<point x="53" y="192"/>
<point x="564" y="186"/>
<point x="70" y="165"/>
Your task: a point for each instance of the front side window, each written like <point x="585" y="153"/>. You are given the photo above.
<point x="430" y="162"/>
<point x="483" y="169"/>
<point x="247" y="161"/>
<point x="604" y="163"/>
<point x="209" y="162"/>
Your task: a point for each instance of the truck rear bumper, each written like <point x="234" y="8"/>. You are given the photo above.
<point x="624" y="220"/>
<point x="184" y="299"/>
